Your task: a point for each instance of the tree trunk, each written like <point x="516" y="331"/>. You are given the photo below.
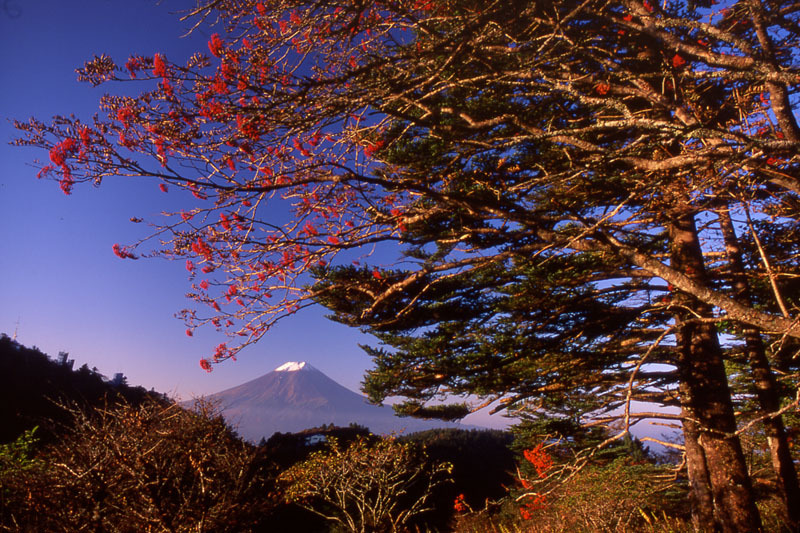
<point x="764" y="381"/>
<point x="700" y="495"/>
<point x="705" y="396"/>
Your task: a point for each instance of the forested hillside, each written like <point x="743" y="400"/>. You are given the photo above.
<point x="36" y="388"/>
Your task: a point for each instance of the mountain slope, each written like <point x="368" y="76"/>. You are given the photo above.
<point x="297" y="396"/>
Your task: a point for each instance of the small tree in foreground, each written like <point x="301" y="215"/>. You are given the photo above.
<point x="368" y="486"/>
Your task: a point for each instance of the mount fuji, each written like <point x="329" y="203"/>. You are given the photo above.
<point x="296" y="396"/>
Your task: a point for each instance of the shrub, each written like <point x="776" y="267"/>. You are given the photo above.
<point x="371" y="485"/>
<point x="154" y="467"/>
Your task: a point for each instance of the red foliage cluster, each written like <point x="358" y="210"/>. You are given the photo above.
<point x="215" y="45"/>
<point x="460" y="504"/>
<point x="58" y="155"/>
<point x="200" y="247"/>
<point x="539" y="459"/>
<point x="123" y="252"/>
<point x="159" y="66"/>
<point x="533" y="504"/>
<point x="542" y="462"/>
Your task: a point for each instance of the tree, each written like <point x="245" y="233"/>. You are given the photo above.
<point x="571" y="155"/>
<point x="367" y="486"/>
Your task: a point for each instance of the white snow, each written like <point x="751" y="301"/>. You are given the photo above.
<point x="293" y="366"/>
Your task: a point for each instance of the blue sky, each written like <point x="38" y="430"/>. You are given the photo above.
<point x="62" y="287"/>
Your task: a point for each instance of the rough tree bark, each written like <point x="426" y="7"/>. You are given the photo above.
<point x="706" y="398"/>
<point x="700" y="495"/>
<point x="764" y="382"/>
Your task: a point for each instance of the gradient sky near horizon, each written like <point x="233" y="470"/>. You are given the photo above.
<point x="61" y="286"/>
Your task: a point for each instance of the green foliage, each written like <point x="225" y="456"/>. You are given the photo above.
<point x="17" y="461"/>
<point x="19" y="455"/>
<point x="504" y="330"/>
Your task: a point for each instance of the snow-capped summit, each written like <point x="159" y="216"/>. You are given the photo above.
<point x="294" y="366"/>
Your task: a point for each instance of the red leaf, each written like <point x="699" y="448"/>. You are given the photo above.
<point x="215" y="45"/>
<point x="159" y="68"/>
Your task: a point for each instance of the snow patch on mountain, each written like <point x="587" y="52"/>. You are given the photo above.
<point x="294" y="366"/>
